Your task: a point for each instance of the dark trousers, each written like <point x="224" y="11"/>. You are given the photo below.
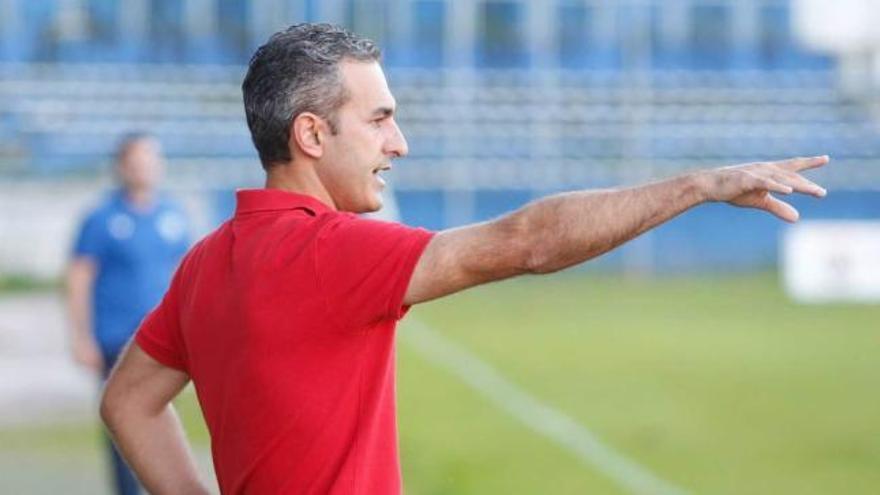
<point x="124" y="480"/>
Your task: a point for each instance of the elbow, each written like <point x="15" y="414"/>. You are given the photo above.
<point x="544" y="259"/>
<point x="106" y="408"/>
<point x="528" y="249"/>
<point x="540" y="261"/>
<point x="517" y="250"/>
<point x="110" y="407"/>
<point x="537" y="255"/>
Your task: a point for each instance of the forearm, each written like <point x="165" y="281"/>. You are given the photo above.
<point x="570" y="228"/>
<point x="78" y="294"/>
<point x="80" y="282"/>
<point x="80" y="317"/>
<point x="155" y="447"/>
<point x="563" y="230"/>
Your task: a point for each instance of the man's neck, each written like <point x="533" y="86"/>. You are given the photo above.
<point x="300" y="179"/>
<point x="140" y="199"/>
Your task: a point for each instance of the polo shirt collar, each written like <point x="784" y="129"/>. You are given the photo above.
<point x="120" y="198"/>
<point x="252" y="200"/>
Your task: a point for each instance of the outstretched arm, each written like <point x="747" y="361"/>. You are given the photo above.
<point x="79" y="284"/>
<point x="566" y="229"/>
<point x="136" y="407"/>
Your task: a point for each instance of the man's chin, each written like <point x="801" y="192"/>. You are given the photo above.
<point x="372" y="207"/>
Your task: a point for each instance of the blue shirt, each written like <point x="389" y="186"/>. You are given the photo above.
<point x="136" y="252"/>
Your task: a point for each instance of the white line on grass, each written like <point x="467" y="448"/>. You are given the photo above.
<point x="536" y="415"/>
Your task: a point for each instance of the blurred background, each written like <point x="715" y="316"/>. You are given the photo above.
<point x="724" y="352"/>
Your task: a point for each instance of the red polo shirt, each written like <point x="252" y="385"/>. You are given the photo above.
<point x="284" y="318"/>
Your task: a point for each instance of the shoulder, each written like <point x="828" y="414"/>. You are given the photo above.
<point x="207" y="246"/>
<point x="97" y="226"/>
<point x="369" y="233"/>
<point x="105" y="204"/>
<point x="168" y="201"/>
<point x="171" y="220"/>
<point x="99" y="211"/>
<point x="348" y="224"/>
<point x="170" y="205"/>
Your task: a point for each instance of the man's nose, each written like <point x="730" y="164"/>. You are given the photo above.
<point x="397" y="145"/>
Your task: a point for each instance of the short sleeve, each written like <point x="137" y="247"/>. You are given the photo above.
<point x="91" y="238"/>
<point x="364" y="267"/>
<point x="159" y="335"/>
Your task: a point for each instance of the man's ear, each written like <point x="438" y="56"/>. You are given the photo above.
<point x="307" y="135"/>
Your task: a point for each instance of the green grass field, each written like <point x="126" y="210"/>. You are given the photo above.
<point x="720" y="386"/>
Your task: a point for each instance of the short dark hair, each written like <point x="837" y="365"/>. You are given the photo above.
<point x="127" y="141"/>
<point x="297" y="71"/>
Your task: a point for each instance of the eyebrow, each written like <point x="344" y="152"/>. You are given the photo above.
<point x="383" y="112"/>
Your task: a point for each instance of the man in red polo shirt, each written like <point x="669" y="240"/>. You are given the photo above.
<point x="284" y="317"/>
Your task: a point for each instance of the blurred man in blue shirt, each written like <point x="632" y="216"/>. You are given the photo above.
<point x="124" y="255"/>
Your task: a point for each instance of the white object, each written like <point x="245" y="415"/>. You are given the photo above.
<point x="847" y="30"/>
<point x="838" y="27"/>
<point x="832" y="261"/>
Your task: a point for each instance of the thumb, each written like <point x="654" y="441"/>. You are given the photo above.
<point x="779" y="208"/>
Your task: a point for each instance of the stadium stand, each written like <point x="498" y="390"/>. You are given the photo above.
<point x="480" y="130"/>
<point x="501" y="100"/>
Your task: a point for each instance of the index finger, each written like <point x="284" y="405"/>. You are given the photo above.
<point x="798" y="164"/>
